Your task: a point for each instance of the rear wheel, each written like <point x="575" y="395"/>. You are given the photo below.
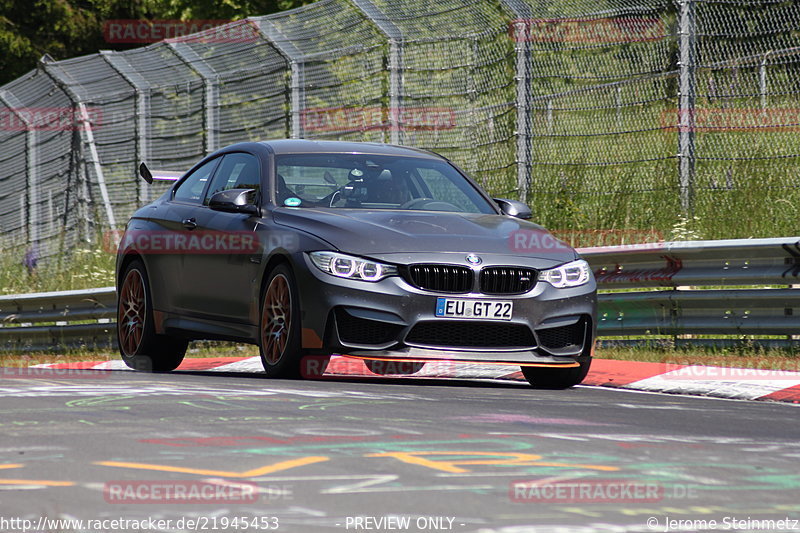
<point x="556" y="378"/>
<point x="280" y="326"/>
<point x="139" y="346"/>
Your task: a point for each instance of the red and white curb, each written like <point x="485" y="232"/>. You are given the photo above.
<point x="718" y="382"/>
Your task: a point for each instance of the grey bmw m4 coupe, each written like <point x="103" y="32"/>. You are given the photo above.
<point x="316" y="248"/>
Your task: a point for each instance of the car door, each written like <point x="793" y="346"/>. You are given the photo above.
<point x="225" y="272"/>
<point x="173" y="221"/>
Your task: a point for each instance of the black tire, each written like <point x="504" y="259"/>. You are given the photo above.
<point x="139" y="345"/>
<point x="556" y="378"/>
<point x="279" y="342"/>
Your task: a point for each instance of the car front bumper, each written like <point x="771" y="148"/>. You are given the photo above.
<point x="394" y="320"/>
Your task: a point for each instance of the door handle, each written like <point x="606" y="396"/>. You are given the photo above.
<point x="189" y="223"/>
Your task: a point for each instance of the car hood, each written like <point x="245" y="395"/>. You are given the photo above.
<point x="380" y="232"/>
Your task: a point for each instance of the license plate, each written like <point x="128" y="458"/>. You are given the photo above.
<point x="474" y="309"/>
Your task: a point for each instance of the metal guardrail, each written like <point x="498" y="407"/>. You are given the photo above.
<point x="48" y="321"/>
<point x="85" y="318"/>
<point x="684" y="268"/>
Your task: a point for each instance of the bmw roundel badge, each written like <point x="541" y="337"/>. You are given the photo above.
<point x="474" y="259"/>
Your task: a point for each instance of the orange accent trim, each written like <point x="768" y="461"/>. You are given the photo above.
<point x="412" y="360"/>
<point x="311" y="339"/>
<point x="158" y="322"/>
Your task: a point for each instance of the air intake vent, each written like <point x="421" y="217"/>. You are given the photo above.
<point x="440" y="278"/>
<point x="563" y="337"/>
<point x="446" y="333"/>
<point x="354" y="330"/>
<point x="507" y="280"/>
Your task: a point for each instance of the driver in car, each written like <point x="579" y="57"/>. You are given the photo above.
<point x="389" y="188"/>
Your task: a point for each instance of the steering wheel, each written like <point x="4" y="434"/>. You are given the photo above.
<point x="429" y="204"/>
<point x="339" y="194"/>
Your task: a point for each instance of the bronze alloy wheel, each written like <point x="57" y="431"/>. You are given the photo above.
<point x="139" y="345"/>
<point x="276" y="319"/>
<point x="131" y="313"/>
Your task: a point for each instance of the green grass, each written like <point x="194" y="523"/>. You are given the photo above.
<point x="86" y="267"/>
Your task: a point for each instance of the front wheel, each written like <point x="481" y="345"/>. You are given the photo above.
<point x="556" y="378"/>
<point x="140" y="347"/>
<point x="280" y="345"/>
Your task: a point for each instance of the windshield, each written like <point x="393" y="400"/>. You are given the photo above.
<point x="374" y="182"/>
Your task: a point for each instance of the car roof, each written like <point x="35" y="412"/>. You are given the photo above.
<point x="305" y="146"/>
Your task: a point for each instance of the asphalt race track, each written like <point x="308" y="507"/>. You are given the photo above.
<point x="192" y="451"/>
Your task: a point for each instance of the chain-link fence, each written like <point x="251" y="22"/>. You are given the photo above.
<point x="601" y="114"/>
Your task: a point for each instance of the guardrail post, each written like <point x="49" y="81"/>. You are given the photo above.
<point x="395" y="37"/>
<point x="762" y="79"/>
<point x="686" y="111"/>
<point x="141" y="90"/>
<point x="296" y="61"/>
<point x="58" y="77"/>
<point x="522" y="48"/>
<point x="189" y="57"/>
<point x="30" y="201"/>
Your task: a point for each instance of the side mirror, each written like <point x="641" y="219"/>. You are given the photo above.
<point x="234" y="201"/>
<point x="145" y="173"/>
<point x="514" y="208"/>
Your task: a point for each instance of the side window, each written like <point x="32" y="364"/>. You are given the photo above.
<point x="191" y="189"/>
<point x="237" y="171"/>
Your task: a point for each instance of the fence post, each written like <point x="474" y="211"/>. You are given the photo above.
<point x="762" y="79"/>
<point x="30" y="201"/>
<point x="296" y="61"/>
<point x="522" y="76"/>
<point x="190" y="58"/>
<point x="395" y="37"/>
<point x="87" y="135"/>
<point x="686" y="111"/>
<point x="141" y="90"/>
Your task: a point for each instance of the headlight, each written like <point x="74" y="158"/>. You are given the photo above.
<point x="570" y="274"/>
<point x="349" y="267"/>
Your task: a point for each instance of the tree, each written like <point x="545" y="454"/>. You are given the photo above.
<point x="69" y="28"/>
